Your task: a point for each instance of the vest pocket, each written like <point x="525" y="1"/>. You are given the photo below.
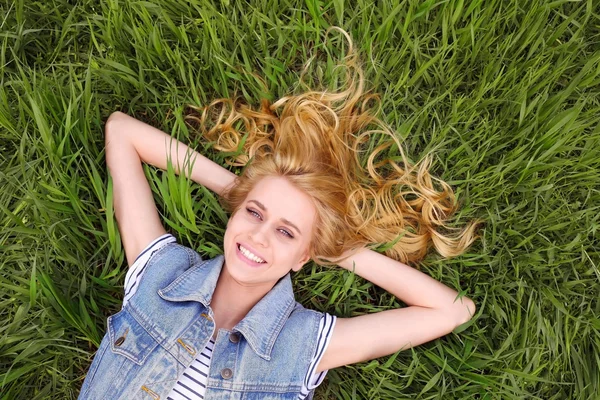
<point x="129" y="338"/>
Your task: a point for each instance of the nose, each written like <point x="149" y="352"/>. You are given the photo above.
<point x="260" y="235"/>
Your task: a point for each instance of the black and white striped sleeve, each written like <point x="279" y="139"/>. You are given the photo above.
<point x="136" y="270"/>
<point x="314" y="379"/>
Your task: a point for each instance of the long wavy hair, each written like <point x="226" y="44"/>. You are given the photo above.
<point x="364" y="189"/>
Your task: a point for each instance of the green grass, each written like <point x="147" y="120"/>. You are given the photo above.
<point x="506" y="93"/>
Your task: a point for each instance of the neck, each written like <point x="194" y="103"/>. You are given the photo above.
<point x="230" y="309"/>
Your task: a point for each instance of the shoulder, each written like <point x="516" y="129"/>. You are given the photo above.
<point x="169" y="249"/>
<point x="315" y="376"/>
<point x="163" y="259"/>
<point x="301" y="314"/>
<point x="169" y="254"/>
<point x="316" y="327"/>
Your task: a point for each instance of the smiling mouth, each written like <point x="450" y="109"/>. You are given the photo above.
<point x="249" y="255"/>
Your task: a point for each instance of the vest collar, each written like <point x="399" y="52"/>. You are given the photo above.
<point x="264" y="321"/>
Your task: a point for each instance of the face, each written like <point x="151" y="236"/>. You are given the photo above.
<point x="270" y="234"/>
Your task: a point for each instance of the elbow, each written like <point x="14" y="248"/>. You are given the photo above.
<point x="116" y="137"/>
<point x="116" y="116"/>
<point x="110" y="127"/>
<point x="463" y="310"/>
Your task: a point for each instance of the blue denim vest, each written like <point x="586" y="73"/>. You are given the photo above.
<point x="168" y="321"/>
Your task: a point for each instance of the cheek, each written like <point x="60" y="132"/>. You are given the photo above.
<point x="234" y="223"/>
<point x="226" y="239"/>
<point x="300" y="250"/>
<point x="230" y="231"/>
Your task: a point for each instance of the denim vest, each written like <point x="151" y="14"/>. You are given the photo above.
<point x="168" y="321"/>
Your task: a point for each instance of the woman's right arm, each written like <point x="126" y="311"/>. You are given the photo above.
<point x="130" y="142"/>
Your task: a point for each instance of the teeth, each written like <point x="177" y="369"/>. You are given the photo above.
<point x="250" y="256"/>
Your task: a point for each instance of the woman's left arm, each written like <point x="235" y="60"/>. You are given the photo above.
<point x="434" y="311"/>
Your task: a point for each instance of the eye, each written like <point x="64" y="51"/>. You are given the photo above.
<point x="252" y="212"/>
<point x="286" y="233"/>
<point x="257" y="215"/>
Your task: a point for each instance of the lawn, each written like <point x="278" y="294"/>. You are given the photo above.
<point x="504" y="94"/>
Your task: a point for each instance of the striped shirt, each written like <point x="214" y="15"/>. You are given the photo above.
<point x="191" y="385"/>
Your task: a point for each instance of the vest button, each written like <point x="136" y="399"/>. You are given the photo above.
<point x="119" y="341"/>
<point x="234" y="337"/>
<point x="226" y="373"/>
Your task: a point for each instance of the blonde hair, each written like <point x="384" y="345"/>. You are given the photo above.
<point x="315" y="140"/>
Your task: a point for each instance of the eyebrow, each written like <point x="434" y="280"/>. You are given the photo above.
<point x="285" y="221"/>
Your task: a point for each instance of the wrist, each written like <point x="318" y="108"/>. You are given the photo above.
<point x="349" y="258"/>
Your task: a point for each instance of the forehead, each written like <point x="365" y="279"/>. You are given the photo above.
<point x="284" y="200"/>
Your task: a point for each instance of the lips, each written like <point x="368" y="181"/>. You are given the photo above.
<point x="248" y="261"/>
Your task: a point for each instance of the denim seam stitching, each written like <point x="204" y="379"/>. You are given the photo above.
<point x="91" y="383"/>
<point x="112" y="334"/>
<point x="282" y="318"/>
<point x="180" y="279"/>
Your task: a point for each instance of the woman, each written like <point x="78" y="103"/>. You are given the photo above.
<point x="229" y="327"/>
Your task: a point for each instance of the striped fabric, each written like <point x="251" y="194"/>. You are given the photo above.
<point x="192" y="384"/>
<point x="135" y="271"/>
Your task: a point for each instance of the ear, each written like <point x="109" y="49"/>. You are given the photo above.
<point x="305" y="258"/>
